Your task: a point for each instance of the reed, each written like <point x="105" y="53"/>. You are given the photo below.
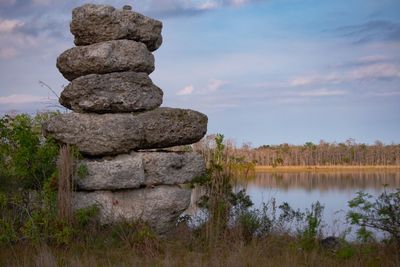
<point x="65" y="184"/>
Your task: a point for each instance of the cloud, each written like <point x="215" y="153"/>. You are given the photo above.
<point x="364" y="69"/>
<point x="26" y="23"/>
<point x="314" y="79"/>
<point x="374" y="30"/>
<point x="375" y="71"/>
<point x="387" y="93"/>
<point x="323" y="92"/>
<point x="238" y="2"/>
<point x="188" y="90"/>
<point x="20" y="99"/>
<point x="158" y="8"/>
<point x="214" y="85"/>
<point x="363" y="61"/>
<point x="9" y="25"/>
<point x="7" y="52"/>
<point x="49" y="26"/>
<point x="19" y="35"/>
<point x="7" y="2"/>
<point x="42" y="2"/>
<point x="208" y="5"/>
<point x="168" y="8"/>
<point x="13" y="44"/>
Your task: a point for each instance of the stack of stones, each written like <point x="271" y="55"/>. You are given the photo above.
<point x="117" y="123"/>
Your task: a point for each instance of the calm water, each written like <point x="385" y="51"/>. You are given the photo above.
<point x="331" y="189"/>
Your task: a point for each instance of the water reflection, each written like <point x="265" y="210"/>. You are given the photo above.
<point x="327" y="181"/>
<point x="332" y="189"/>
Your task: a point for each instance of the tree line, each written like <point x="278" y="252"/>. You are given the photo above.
<point x="322" y="154"/>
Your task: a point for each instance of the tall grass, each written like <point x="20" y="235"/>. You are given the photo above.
<point x="219" y="192"/>
<point x="269" y="251"/>
<point x="65" y="184"/>
<point x="220" y="185"/>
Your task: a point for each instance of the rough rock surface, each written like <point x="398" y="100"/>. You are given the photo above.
<point x="159" y="206"/>
<point x="120" y="172"/>
<point x="112" y="93"/>
<point x="113" y="134"/>
<point x="98" y="23"/>
<point x="106" y="57"/>
<point x="139" y="169"/>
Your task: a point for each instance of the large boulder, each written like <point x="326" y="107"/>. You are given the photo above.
<point x="98" y="23"/>
<point x="138" y="169"/>
<point x="159" y="206"/>
<point x="106" y="57"/>
<point x="113" y="134"/>
<point x="112" y="93"/>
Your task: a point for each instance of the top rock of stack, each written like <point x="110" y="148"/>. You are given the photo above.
<point x="98" y="23"/>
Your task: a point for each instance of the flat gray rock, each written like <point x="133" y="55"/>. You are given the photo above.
<point x="160" y="207"/>
<point x="120" y="172"/>
<point x="106" y="57"/>
<point x="98" y="23"/>
<point x="112" y="93"/>
<point x="138" y="169"/>
<point x="113" y="134"/>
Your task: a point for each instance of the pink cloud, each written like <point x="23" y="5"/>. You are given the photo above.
<point x="323" y="92"/>
<point x="8" y="52"/>
<point x="187" y="90"/>
<point x="367" y="72"/>
<point x="214" y="85"/>
<point x="9" y="25"/>
<point x="20" y="99"/>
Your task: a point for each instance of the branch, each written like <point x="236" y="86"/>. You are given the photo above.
<point x="43" y="84"/>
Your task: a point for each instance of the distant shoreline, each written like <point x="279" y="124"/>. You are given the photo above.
<point x="326" y="168"/>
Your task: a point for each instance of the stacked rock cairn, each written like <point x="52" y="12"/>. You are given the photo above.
<point x="117" y="123"/>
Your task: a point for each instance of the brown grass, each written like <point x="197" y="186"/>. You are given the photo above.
<point x="326" y="168"/>
<point x="65" y="184"/>
<point x="270" y="251"/>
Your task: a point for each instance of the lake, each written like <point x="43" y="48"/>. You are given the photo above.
<point x="332" y="189"/>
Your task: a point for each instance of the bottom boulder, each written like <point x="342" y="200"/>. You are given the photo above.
<point x="160" y="206"/>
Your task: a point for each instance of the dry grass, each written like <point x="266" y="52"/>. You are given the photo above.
<point x="335" y="168"/>
<point x="270" y="251"/>
<point x="65" y="183"/>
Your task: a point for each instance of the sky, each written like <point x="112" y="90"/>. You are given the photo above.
<point x="265" y="72"/>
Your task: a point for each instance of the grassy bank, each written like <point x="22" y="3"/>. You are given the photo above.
<point x="186" y="250"/>
<point x="321" y="168"/>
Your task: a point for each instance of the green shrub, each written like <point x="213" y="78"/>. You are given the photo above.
<point x="3" y="200"/>
<point x="313" y="220"/>
<point x="35" y="226"/>
<point x="7" y="232"/>
<point x="345" y="252"/>
<point x="82" y="171"/>
<point x="381" y="213"/>
<point x="26" y="158"/>
<point x="249" y="223"/>
<point x="63" y="235"/>
<point x="221" y="201"/>
<point x="137" y="235"/>
<point x="86" y="216"/>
